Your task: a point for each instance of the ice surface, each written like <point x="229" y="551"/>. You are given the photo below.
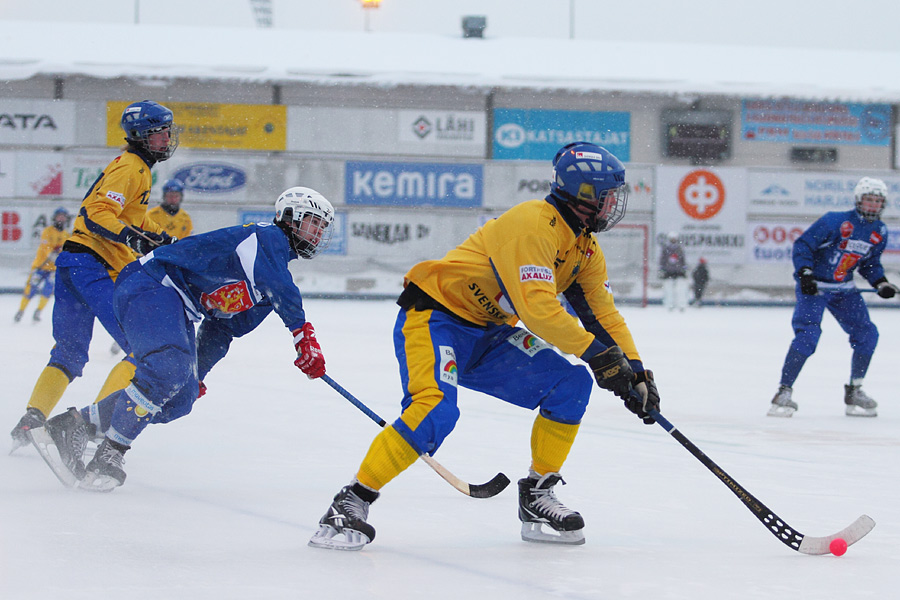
<point x="221" y="503"/>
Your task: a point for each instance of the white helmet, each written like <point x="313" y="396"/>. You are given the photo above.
<point x="305" y="216"/>
<point x="673" y="236"/>
<point x="869" y="186"/>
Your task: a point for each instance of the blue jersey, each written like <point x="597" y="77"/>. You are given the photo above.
<point x="236" y="272"/>
<point x="840" y="242"/>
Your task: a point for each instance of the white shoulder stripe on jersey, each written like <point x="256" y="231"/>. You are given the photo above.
<point x="246" y="252"/>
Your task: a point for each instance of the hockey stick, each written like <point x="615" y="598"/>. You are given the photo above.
<point x="825" y="288"/>
<point x="484" y="490"/>
<point x="776" y="526"/>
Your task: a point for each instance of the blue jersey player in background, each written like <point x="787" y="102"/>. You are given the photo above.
<point x="825" y="257"/>
<point x="229" y="280"/>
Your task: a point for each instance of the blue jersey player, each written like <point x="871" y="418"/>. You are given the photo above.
<point x="229" y="280"/>
<point x="825" y="258"/>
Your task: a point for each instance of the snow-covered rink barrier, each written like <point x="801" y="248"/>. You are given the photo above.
<point x="220" y="504"/>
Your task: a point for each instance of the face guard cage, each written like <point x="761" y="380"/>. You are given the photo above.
<point x="160" y="154"/>
<point x="310" y="235"/>
<point x="870" y="206"/>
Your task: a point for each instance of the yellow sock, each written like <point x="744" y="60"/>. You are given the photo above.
<point x="50" y="387"/>
<point x="42" y="303"/>
<point x="119" y="377"/>
<point x="388" y="456"/>
<point x="24" y="303"/>
<point x="550" y="444"/>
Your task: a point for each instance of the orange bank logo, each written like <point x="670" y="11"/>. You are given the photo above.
<point x="701" y="194"/>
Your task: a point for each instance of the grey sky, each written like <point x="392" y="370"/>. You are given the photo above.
<point x="868" y="25"/>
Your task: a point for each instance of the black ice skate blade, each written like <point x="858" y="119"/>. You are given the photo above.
<point x="45" y="446"/>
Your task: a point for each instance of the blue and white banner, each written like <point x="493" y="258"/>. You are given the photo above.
<point x="525" y="134"/>
<point x="413" y="184"/>
<point x="800" y="122"/>
<point x="802" y="193"/>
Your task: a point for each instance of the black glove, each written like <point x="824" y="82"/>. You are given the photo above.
<point x="643" y="397"/>
<point x="144" y="242"/>
<point x="885" y="288"/>
<point x="807" y="283"/>
<point x="612" y="371"/>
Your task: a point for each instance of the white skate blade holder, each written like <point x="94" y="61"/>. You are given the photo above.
<point x="329" y="538"/>
<point x="852" y="410"/>
<point x="98" y="483"/>
<point x="781" y="411"/>
<point x="532" y="532"/>
<point x="48" y="451"/>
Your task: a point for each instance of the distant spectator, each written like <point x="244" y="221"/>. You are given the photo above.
<point x="700" y="274"/>
<point x="673" y="272"/>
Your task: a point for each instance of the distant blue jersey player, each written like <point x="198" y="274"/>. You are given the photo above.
<point x="228" y="280"/>
<point x="825" y="257"/>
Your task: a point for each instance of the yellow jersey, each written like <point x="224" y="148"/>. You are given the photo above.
<point x="514" y="266"/>
<point x="178" y="225"/>
<point x="118" y="199"/>
<point x="52" y="240"/>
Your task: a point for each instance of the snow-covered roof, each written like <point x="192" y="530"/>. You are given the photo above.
<point x="114" y="50"/>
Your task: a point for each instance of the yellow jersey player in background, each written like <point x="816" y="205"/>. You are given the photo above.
<point x="173" y="220"/>
<point x="169" y="215"/>
<point x="43" y="269"/>
<point x="455" y="328"/>
<point x="110" y="230"/>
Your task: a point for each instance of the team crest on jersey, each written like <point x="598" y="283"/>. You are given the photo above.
<point x="527" y="342"/>
<point x="607" y="286"/>
<point x="116" y="197"/>
<point x="448" y="365"/>
<point x="228" y="299"/>
<point x="503" y="302"/>
<point x="875" y="238"/>
<point x="535" y="273"/>
<point x="846" y="229"/>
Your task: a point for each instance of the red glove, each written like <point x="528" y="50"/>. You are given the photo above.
<point x="309" y="354"/>
<point x="202" y="390"/>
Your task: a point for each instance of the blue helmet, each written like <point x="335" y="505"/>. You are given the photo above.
<point x="144" y="118"/>
<point x="590" y="181"/>
<point x="60" y="218"/>
<point x="173" y="185"/>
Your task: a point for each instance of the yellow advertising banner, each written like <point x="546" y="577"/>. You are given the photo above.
<point x="215" y="126"/>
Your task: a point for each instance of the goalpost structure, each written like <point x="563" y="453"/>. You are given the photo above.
<point x="626" y="248"/>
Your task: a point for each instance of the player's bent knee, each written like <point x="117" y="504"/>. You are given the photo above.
<point x="568" y="400"/>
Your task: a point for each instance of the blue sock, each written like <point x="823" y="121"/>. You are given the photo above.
<point x="132" y="413"/>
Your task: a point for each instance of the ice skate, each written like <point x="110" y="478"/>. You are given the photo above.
<point x="115" y="348"/>
<point x="32" y="419"/>
<point x="36" y="318"/>
<point x="344" y="526"/>
<point x="61" y="443"/>
<point x="18" y="316"/>
<point x="105" y="473"/>
<point x="858" y="403"/>
<point x="782" y="404"/>
<point x="538" y="505"/>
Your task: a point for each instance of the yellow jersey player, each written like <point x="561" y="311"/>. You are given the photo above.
<point x="110" y="230"/>
<point x="43" y="269"/>
<point x="169" y="215"/>
<point x="455" y="328"/>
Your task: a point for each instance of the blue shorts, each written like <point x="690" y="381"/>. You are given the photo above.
<point x="84" y="292"/>
<point x="162" y="340"/>
<point x="40" y="282"/>
<point x="438" y="353"/>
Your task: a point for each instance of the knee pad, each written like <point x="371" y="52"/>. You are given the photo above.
<point x="568" y="399"/>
